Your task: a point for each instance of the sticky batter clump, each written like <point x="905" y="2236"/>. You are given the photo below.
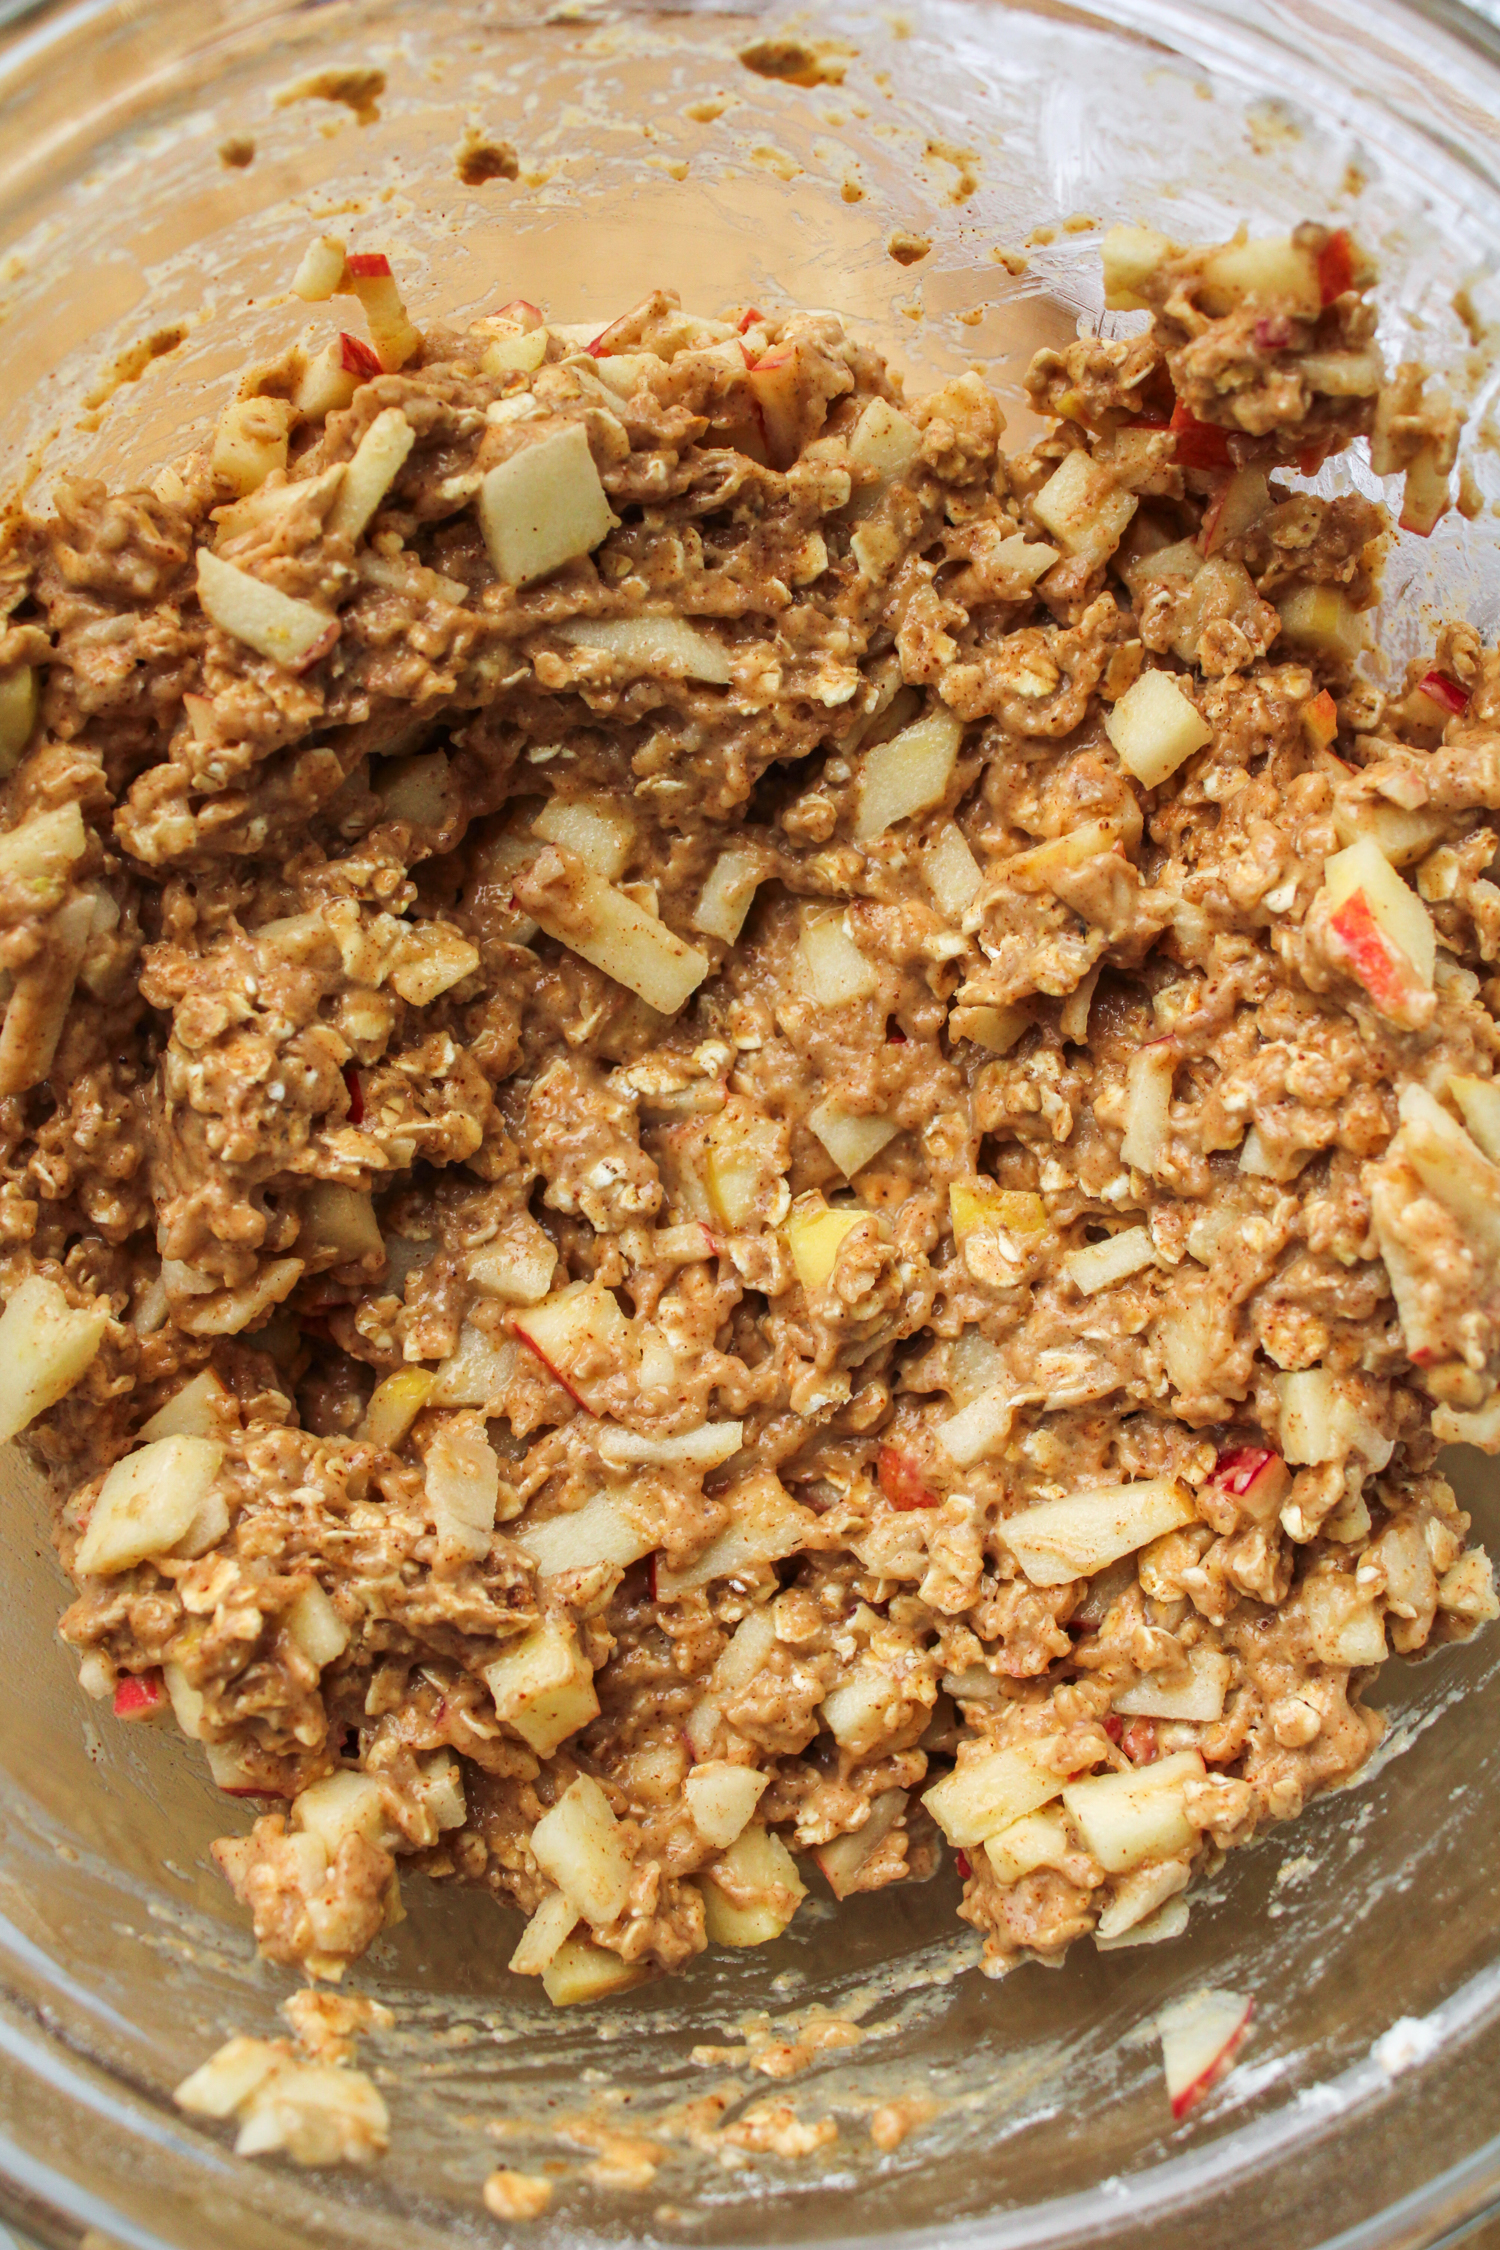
<point x="740" y="1143"/>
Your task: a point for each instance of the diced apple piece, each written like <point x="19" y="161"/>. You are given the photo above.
<point x="1479" y="1099"/>
<point x="199" y="1409"/>
<point x="186" y="1701"/>
<point x="1254" y="1479"/>
<point x="575" y="1334"/>
<point x="1148" y="1104"/>
<point x="707" y="1447"/>
<point x="617" y="936"/>
<point x="544" y="507"/>
<point x="1402" y="836"/>
<point x="515" y="355"/>
<point x="831" y="968"/>
<point x="1200" y="2037"/>
<point x="753" y="1892"/>
<point x="395" y="1403"/>
<point x="329" y="381"/>
<point x="1130" y="256"/>
<point x="979" y="1427"/>
<point x="766" y="1525"/>
<point x="278" y="626"/>
<point x="147" y="1503"/>
<point x="420" y="790"/>
<point x="1038" y="1839"/>
<point x="748" y="1650"/>
<point x="140" y="1698"/>
<point x="1425" y="495"/>
<point x="1154" y="726"/>
<point x="667" y="645"/>
<point x="367" y="276"/>
<point x="976" y="1366"/>
<point x="592" y="829"/>
<point x="550" y="1927"/>
<point x="908" y="773"/>
<point x="1357" y="940"/>
<point x="38" y="1006"/>
<point x="476" y="1374"/>
<point x="953" y="873"/>
<point x="316" y="1626"/>
<point x="777" y="385"/>
<point x="745" y="1161"/>
<point x="1084" y="508"/>
<point x="1139" y="1910"/>
<point x="462" y="1480"/>
<point x="994" y="1029"/>
<point x="342" y="1219"/>
<point x="19" y="701"/>
<point x="251" y="441"/>
<point x="1196" y="1694"/>
<point x="378" y="460"/>
<point x="42" y="850"/>
<point x="976" y="1204"/>
<point x="841" y="1859"/>
<point x="518" y="1266"/>
<point x="580" y="1973"/>
<point x="1098" y="1265"/>
<point x="1363" y="871"/>
<point x="580" y="1845"/>
<point x="885" y="441"/>
<point x="1450" y="1165"/>
<point x="321" y="272"/>
<point x="433" y="957"/>
<point x="1324" y="622"/>
<point x="226" y="2081"/>
<point x="1072" y="1538"/>
<point x="340" y="1805"/>
<point x="1126" y="1818"/>
<point x="543" y="1686"/>
<point x="729" y="894"/>
<point x="852" y="1141"/>
<point x="814" y="1234"/>
<point x="598" y="1532"/>
<point x="866" y="1705"/>
<point x="1344" y="1624"/>
<point x="721" y="1798"/>
<point x="1245" y="496"/>
<point x="1274" y="272"/>
<point x="1321" y="1420"/>
<point x="988" y="1791"/>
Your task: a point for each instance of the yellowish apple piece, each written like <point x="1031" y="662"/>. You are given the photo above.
<point x="580" y="1972"/>
<point x="316" y="1626"/>
<point x="952" y="872"/>
<point x="552" y="1924"/>
<point x="1074" y="1537"/>
<point x="579" y="1844"/>
<point x="720" y="1799"/>
<point x="830" y="966"/>
<point x="814" y="1234"/>
<point x="19" y="700"/>
<point x="46" y="1344"/>
<point x="251" y="441"/>
<point x="378" y="460"/>
<point x="989" y="1789"/>
<point x="1400" y="913"/>
<point x="752" y="1893"/>
<point x="1273" y="271"/>
<point x="321" y="271"/>
<point x="1125" y="1818"/>
<point x="543" y="1686"/>
<point x="1322" y="621"/>
<point x="1098" y="1265"/>
<point x="200" y="1409"/>
<point x="668" y="645"/>
<point x="462" y="1481"/>
<point x="147" y="1503"/>
<point x="592" y="829"/>
<point x="977" y="1203"/>
<point x="278" y="626"/>
<point x="907" y="774"/>
<point x="617" y="936"/>
<point x="342" y="1219"/>
<point x="1130" y="256"/>
<point x="729" y="894"/>
<point x="1154" y="726"/>
<point x="1038" y="1839"/>
<point x="600" y="1531"/>
<point x="394" y="1405"/>
<point x="544" y="507"/>
<point x="851" y="1140"/>
<point x="1085" y="508"/>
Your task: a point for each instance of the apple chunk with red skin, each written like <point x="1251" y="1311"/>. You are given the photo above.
<point x="368" y="276"/>
<point x="1254" y="1479"/>
<point x="577" y="1335"/>
<point x="899" y="1475"/>
<point x="140" y="1695"/>
<point x="1379" y="932"/>
<point x="1200" y="2037"/>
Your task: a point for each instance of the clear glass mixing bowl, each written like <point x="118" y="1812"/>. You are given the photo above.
<point x="647" y="153"/>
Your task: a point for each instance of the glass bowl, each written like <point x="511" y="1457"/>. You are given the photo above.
<point x="144" y="261"/>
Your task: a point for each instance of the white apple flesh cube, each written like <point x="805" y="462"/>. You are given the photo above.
<point x="199" y="1409"/>
<point x="980" y="1426"/>
<point x="278" y="626"/>
<point x="754" y="1891"/>
<point x="766" y="1526"/>
<point x="1058" y="1540"/>
<point x="395" y="1403"/>
<point x="841" y="1859"/>
<point x="1402" y="917"/>
<point x="432" y="959"/>
<point x="1098" y="1265"/>
<point x="42" y="849"/>
<point x="1135" y="1901"/>
<point x="340" y="1805"/>
<point x="1450" y="1166"/>
<point x="814" y="1236"/>
<point x="668" y="645"/>
<point x="251" y="441"/>
<point x="476" y="1374"/>
<point x="617" y="936"/>
<point x="46" y="1344"/>
<point x="1344" y="1625"/>
<point x="1127" y="1818"/>
<point x="851" y="1141"/>
<point x="907" y="774"/>
<point x="749" y="1650"/>
<point x="721" y="1799"/>
<point x="777" y="386"/>
<point x="865" y="1707"/>
<point x="744" y="1166"/>
<point x="580" y="1845"/>
<point x="378" y="460"/>
<point x="1199" y="2039"/>
<point x="544" y="1687"/>
<point x="707" y="1447"/>
<point x="1321" y="1420"/>
<point x="19" y="701"/>
<point x="185" y="1699"/>
<point x="316" y="1626"/>
<point x="1154" y="726"/>
<point x="592" y="829"/>
<point x="227" y="2080"/>
<point x="515" y="355"/>
<point x="1197" y="1694"/>
<point x="1039" y="1839"/>
<point x="577" y="1333"/>
<point x="1479" y="1099"/>
<point x="598" y="1532"/>
<point x="729" y="894"/>
<point x="580" y="1972"/>
<point x="1148" y="1105"/>
<point x="321" y="271"/>
<point x="1322" y="621"/>
<point x="987" y="1792"/>
<point x="147" y="1503"/>
<point x="420" y="790"/>
<point x="1274" y="271"/>
<point x="885" y="442"/>
<point x="1084" y="508"/>
<point x="462" y="1478"/>
<point x="550" y="1926"/>
<point x="1254" y="1479"/>
<point x="544" y="507"/>
<point x="518" y="1266"/>
<point x="368" y="276"/>
<point x="831" y="968"/>
<point x="341" y="1219"/>
<point x="952" y="872"/>
<point x="1130" y="256"/>
<point x="38" y="1006"/>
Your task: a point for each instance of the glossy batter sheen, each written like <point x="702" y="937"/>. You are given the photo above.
<point x="783" y="1129"/>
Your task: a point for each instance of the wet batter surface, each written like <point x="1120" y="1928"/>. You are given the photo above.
<point x="741" y="1141"/>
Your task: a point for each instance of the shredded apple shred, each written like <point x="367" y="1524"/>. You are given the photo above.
<point x="744" y="1145"/>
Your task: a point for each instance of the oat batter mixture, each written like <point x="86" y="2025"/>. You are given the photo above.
<point x="736" y="1134"/>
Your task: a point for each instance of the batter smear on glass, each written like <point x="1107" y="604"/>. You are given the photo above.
<point x="738" y="1137"/>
